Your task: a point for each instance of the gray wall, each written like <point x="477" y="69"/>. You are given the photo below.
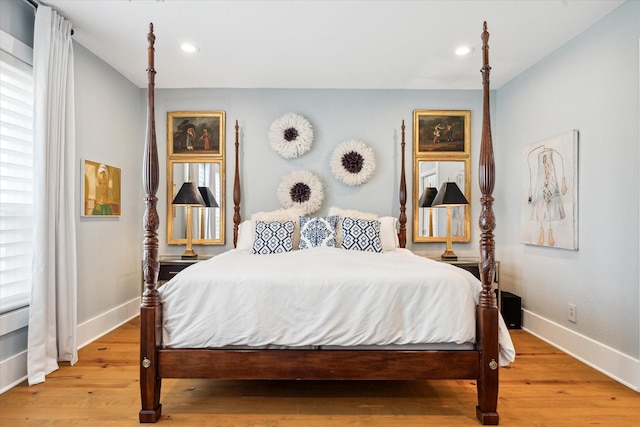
<point x="110" y="126"/>
<point x="373" y="116"/>
<point x="590" y="84"/>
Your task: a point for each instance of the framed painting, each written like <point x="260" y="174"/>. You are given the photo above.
<point x="101" y="189"/>
<point x="195" y="133"/>
<point x="549" y="197"/>
<point x="441" y="132"/>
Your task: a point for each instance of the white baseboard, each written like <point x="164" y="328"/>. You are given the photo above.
<point x="93" y="329"/>
<point x="14" y="369"/>
<point x="609" y="361"/>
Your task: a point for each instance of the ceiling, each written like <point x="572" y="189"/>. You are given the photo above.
<point x="338" y="44"/>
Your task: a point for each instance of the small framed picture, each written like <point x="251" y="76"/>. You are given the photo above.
<point x="441" y="132"/>
<point x="195" y="133"/>
<point x="101" y="189"/>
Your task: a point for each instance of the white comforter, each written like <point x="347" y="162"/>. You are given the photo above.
<point x="322" y="296"/>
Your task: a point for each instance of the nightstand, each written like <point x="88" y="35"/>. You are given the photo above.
<point x="170" y="265"/>
<point x="471" y="264"/>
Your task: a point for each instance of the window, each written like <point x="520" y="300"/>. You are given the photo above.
<point x="16" y="181"/>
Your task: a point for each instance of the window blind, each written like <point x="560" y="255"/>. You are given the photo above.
<point x="16" y="182"/>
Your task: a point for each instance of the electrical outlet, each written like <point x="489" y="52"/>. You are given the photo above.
<point x="571" y="313"/>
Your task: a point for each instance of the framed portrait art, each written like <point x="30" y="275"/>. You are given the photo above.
<point x="195" y="133"/>
<point x="101" y="189"/>
<point x="441" y="132"/>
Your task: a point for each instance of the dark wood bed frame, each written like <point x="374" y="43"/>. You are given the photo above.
<point x="479" y="364"/>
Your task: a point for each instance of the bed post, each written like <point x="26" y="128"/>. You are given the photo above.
<point x="487" y="311"/>
<point x="150" y="314"/>
<point x="236" y="193"/>
<point x="402" y="234"/>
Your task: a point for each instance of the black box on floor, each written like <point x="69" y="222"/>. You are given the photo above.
<point x="511" y="309"/>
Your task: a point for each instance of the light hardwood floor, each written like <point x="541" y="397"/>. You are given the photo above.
<point x="543" y="387"/>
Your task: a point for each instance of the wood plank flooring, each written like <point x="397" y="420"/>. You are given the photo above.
<point x="543" y="387"/>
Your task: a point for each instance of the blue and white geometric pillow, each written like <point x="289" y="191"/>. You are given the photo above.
<point x="318" y="232"/>
<point x="273" y="237"/>
<point x="361" y="235"/>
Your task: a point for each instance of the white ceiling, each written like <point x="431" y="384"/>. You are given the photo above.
<point x="327" y="44"/>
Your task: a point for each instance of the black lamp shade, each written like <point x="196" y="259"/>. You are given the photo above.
<point x="449" y="195"/>
<point x="188" y="195"/>
<point x="428" y="195"/>
<point x="207" y="196"/>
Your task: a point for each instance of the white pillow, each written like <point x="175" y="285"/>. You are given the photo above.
<point x="351" y="213"/>
<point x="389" y="233"/>
<point x="246" y="236"/>
<point x="291" y="214"/>
<point x="388" y="226"/>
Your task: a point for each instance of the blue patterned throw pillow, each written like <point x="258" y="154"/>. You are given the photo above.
<point x="273" y="237"/>
<point x="317" y="232"/>
<point x="361" y="235"/>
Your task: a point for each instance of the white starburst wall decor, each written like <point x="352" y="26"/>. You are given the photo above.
<point x="353" y="162"/>
<point x="301" y="189"/>
<point x="291" y="135"/>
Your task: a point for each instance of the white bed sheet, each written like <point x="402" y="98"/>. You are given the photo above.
<point x="322" y="297"/>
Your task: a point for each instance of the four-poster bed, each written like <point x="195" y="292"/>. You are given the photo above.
<point x="159" y="360"/>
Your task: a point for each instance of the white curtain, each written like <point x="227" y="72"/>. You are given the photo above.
<point x="53" y="309"/>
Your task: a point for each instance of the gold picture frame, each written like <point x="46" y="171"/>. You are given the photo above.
<point x="438" y="132"/>
<point x="196" y="133"/>
<point x="101" y="190"/>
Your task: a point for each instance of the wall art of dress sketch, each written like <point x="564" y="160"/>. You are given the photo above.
<point x="549" y="200"/>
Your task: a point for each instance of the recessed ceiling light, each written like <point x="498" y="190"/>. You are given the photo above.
<point x="463" y="50"/>
<point x="188" y="47"/>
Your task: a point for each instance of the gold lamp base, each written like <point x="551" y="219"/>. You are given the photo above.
<point x="449" y="256"/>
<point x="448" y="253"/>
<point x="189" y="254"/>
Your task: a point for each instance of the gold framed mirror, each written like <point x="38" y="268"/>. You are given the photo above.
<point x="441" y="153"/>
<point x="430" y="223"/>
<point x="208" y="222"/>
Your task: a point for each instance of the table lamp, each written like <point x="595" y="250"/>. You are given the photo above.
<point x="207" y="196"/>
<point x="209" y="202"/>
<point x="449" y="195"/>
<point x="188" y="196"/>
<point x="426" y="200"/>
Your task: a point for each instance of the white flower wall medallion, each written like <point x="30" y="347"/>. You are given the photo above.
<point x="291" y="135"/>
<point x="353" y="162"/>
<point x="301" y="189"/>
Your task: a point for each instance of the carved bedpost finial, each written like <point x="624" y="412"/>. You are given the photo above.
<point x="151" y="71"/>
<point x="485" y="55"/>
<point x="151" y="37"/>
